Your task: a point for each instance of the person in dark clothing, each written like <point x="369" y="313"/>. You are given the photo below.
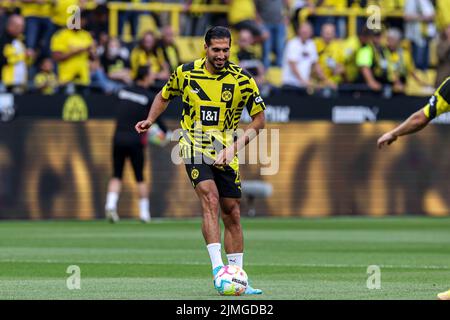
<point x="134" y="103"/>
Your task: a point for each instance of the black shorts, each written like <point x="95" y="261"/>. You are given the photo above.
<point x="135" y="152"/>
<point x="227" y="179"/>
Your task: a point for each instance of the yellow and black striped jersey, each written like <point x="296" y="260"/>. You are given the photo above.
<point x="439" y="102"/>
<point x="212" y="105"/>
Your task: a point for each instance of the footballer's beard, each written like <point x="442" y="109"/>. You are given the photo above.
<point x="217" y="64"/>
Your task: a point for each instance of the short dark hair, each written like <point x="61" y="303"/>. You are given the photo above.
<point x="217" y="32"/>
<point x="142" y="73"/>
<point x="366" y="32"/>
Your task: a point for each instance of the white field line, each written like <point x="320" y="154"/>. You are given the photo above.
<point x="307" y="265"/>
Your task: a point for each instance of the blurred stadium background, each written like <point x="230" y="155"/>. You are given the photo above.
<point x="56" y="131"/>
<point x="57" y="121"/>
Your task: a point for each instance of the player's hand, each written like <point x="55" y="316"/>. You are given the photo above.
<point x="386" y="139"/>
<point x="225" y="157"/>
<point x="143" y="126"/>
<point x="375" y="86"/>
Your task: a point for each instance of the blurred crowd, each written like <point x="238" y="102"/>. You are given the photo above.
<point x="49" y="46"/>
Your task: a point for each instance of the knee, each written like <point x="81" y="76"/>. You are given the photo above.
<point x="211" y="202"/>
<point x="232" y="216"/>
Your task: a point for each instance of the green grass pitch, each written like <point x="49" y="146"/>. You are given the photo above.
<point x="288" y="258"/>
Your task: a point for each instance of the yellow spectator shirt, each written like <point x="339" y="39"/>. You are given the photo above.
<point x="59" y="12"/>
<point x="391" y="5"/>
<point x="442" y="14"/>
<point x="36" y="10"/>
<point x="334" y="4"/>
<point x="140" y="58"/>
<point x="48" y="81"/>
<point x="330" y="55"/>
<point x="241" y="10"/>
<point x="13" y="62"/>
<point x="399" y="62"/>
<point x="76" y="68"/>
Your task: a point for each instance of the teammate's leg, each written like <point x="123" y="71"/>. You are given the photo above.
<point x="208" y="194"/>
<point x="115" y="183"/>
<point x="144" y="202"/>
<point x="112" y="197"/>
<point x="234" y="240"/>
<point x="137" y="161"/>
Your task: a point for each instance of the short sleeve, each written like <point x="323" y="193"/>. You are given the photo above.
<point x="255" y="104"/>
<point x="172" y="88"/>
<point x="364" y="57"/>
<point x="439" y="103"/>
<point x="58" y="43"/>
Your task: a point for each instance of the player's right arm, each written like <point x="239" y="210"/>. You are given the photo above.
<point x="170" y="90"/>
<point x="416" y="122"/>
<point x="158" y="106"/>
<point x="439" y="103"/>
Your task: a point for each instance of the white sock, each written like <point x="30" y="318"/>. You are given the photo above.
<point x="215" y="254"/>
<point x="111" y="200"/>
<point x="236" y="259"/>
<point x="144" y="207"/>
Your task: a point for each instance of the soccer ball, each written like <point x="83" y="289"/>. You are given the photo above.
<point x="231" y="281"/>
<point x="157" y="137"/>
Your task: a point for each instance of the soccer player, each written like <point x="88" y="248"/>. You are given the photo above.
<point x="214" y="92"/>
<point x="134" y="104"/>
<point x="439" y="103"/>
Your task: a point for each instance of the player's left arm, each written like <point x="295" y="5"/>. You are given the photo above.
<point x="252" y="130"/>
<point x="226" y="155"/>
<point x="255" y="107"/>
<point x="438" y="104"/>
<point x="416" y="122"/>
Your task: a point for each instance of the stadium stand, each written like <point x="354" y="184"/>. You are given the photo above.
<point x="105" y="20"/>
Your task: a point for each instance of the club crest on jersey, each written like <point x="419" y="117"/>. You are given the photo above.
<point x="194" y="174"/>
<point x="227" y="95"/>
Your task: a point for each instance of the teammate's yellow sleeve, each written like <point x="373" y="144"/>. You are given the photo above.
<point x="255" y="104"/>
<point x="172" y="88"/>
<point x="439" y="102"/>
